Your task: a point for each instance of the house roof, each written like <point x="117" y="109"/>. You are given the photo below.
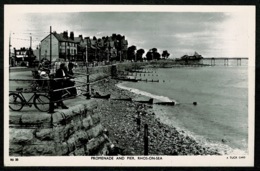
<point x="77" y="39"/>
<point x="63" y="39"/>
<point x="60" y="38"/>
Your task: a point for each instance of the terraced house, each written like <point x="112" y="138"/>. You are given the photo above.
<point x="106" y="48"/>
<point x="78" y="48"/>
<point x="62" y="46"/>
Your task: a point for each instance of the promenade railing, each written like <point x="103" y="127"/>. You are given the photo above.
<point x="47" y="87"/>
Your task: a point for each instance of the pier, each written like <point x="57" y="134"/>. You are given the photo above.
<point x="225" y="60"/>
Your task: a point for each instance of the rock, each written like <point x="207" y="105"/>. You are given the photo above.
<point x="43" y="118"/>
<point x="47" y="149"/>
<point x="21" y="136"/>
<point x="45" y="134"/>
<point x="15" y="149"/>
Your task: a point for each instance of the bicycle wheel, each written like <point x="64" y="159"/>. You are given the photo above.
<point x="41" y="102"/>
<point x="16" y="102"/>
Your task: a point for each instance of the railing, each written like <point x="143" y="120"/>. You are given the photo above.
<point x="47" y="87"/>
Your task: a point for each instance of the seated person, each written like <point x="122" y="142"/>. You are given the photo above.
<point x="70" y="66"/>
<point x="61" y="73"/>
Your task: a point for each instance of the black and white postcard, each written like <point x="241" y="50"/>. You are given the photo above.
<point x="129" y="85"/>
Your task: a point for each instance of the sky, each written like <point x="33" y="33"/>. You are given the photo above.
<point x="211" y="34"/>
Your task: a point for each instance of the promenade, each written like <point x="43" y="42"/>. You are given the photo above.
<point x="92" y="127"/>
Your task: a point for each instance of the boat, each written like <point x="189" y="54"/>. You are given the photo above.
<point x="126" y="99"/>
<point x="150" y="101"/>
<point x="101" y="96"/>
<point x="166" y="103"/>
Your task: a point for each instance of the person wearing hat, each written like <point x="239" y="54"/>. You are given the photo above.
<point x="61" y="73"/>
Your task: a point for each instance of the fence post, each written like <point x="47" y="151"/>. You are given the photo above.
<point x="114" y="72"/>
<point x="88" y="93"/>
<point x="145" y="139"/>
<point x="51" y="94"/>
<point x="138" y="121"/>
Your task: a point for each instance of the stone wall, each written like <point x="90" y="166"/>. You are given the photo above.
<point x="130" y="65"/>
<point x="101" y="72"/>
<point x="75" y="131"/>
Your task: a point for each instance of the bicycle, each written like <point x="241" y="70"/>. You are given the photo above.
<point x="17" y="101"/>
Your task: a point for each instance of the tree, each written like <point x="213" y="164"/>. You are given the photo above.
<point x="139" y="54"/>
<point x="156" y="55"/>
<point x="154" y="50"/>
<point x="131" y="52"/>
<point x="149" y="55"/>
<point x="165" y="54"/>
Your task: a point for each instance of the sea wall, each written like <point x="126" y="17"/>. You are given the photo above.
<point x="75" y="131"/>
<point x="101" y="72"/>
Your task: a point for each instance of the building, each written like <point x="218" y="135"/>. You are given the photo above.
<point x="88" y="49"/>
<point x="22" y="57"/>
<point x="36" y="53"/>
<point x="106" y="48"/>
<point x="196" y="58"/>
<point x="61" y="46"/>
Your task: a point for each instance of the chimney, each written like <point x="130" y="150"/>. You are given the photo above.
<point x="65" y="34"/>
<point x="81" y="36"/>
<point x="72" y="35"/>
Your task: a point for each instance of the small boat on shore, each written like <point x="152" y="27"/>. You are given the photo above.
<point x="126" y="99"/>
<point x="166" y="103"/>
<point x="101" y="96"/>
<point x="150" y="101"/>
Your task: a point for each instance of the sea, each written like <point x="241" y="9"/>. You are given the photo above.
<point x="220" y="118"/>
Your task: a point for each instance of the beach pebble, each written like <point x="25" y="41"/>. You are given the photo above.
<point x="119" y="119"/>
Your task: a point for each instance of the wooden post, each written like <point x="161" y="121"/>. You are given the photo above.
<point x="120" y="55"/>
<point x="51" y="94"/>
<point x="88" y="93"/>
<point x="145" y="139"/>
<point x="138" y="121"/>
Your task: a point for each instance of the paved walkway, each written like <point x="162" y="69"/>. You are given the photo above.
<point x="69" y="103"/>
<point x="15" y="115"/>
